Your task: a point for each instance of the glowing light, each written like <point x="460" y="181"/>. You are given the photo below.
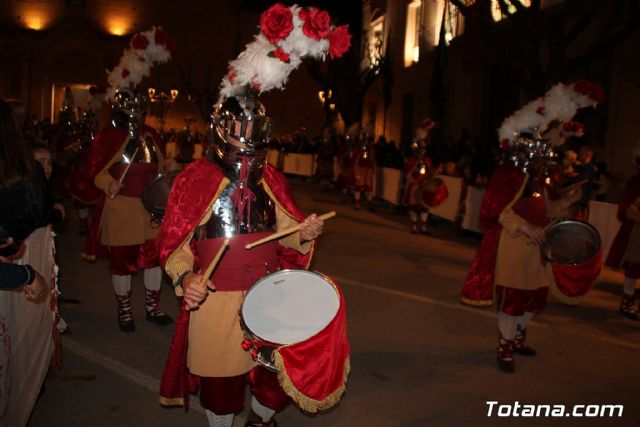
<point x="118" y="25"/>
<point x="547" y="180"/>
<point x="416" y="53"/>
<point x="35" y="20"/>
<point x="423" y="170"/>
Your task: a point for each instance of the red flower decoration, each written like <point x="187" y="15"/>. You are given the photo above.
<point x="592" y="90"/>
<point x="575" y="127"/>
<point x="276" y="22"/>
<point x="504" y="144"/>
<point x="317" y="23"/>
<point x="339" y="41"/>
<point x="540" y="110"/>
<point x="125" y="73"/>
<point x="280" y="54"/>
<point x="139" y="42"/>
<point x="164" y="39"/>
<point x="231" y="74"/>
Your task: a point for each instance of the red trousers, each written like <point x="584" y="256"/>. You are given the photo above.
<point x="515" y="302"/>
<point x="632" y="270"/>
<point x="225" y="395"/>
<point x="125" y="260"/>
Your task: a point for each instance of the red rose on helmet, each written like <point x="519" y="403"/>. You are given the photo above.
<point x="339" y="41"/>
<point x="281" y="55"/>
<point x="139" y="42"/>
<point x="276" y="22"/>
<point x="125" y="73"/>
<point x="164" y="39"/>
<point x="317" y="23"/>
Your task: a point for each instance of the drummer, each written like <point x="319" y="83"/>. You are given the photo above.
<point x="515" y="209"/>
<point x="123" y="159"/>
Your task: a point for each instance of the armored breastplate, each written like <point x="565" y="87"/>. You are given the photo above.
<point x="244" y="206"/>
<point x="141" y="150"/>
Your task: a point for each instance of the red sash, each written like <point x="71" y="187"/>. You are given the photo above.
<point x="239" y="268"/>
<point x="137" y="178"/>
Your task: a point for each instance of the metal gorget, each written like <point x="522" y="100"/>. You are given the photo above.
<point x="146" y="150"/>
<point x="244" y="206"/>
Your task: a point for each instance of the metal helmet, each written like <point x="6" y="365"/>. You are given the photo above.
<point x="241" y="122"/>
<point x="530" y="152"/>
<point x="129" y="110"/>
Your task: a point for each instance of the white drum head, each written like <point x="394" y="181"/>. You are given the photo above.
<point x="289" y="306"/>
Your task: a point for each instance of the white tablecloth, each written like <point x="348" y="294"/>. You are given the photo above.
<point x="391" y="184"/>
<point x="603" y="216"/>
<point x="472" y="209"/>
<point x="26" y="340"/>
<point x="299" y="164"/>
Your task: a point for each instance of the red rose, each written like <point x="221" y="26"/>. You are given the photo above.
<point x="541" y="109"/>
<point x="317" y="23"/>
<point x="164" y="39"/>
<point x="139" y="42"/>
<point x="276" y="22"/>
<point x="280" y="54"/>
<point x="592" y="90"/>
<point x="125" y="73"/>
<point x="231" y="75"/>
<point x="339" y="41"/>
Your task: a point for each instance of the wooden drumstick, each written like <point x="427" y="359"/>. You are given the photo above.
<point x="126" y="169"/>
<point x="212" y="264"/>
<point x="285" y="232"/>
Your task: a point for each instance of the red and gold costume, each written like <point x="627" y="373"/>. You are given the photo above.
<point x="207" y="345"/>
<point x="109" y="227"/>
<point x="625" y="250"/>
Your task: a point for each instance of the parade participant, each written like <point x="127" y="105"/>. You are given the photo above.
<point x="515" y="209"/>
<point x="625" y="249"/>
<point x="364" y="170"/>
<point x="63" y="135"/>
<point x="347" y="154"/>
<point x="232" y="192"/>
<point x="418" y="171"/>
<point x="124" y="158"/>
<point x="82" y="190"/>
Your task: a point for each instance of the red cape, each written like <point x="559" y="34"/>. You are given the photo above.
<point x="107" y="143"/>
<point x="630" y="194"/>
<point x="502" y="189"/>
<point x="192" y="193"/>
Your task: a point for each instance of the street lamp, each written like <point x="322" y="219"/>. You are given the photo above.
<point x="161" y="97"/>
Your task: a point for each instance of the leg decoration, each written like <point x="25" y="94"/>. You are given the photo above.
<point x="152" y="283"/>
<point x="122" y="289"/>
<point x="219" y="420"/>
<point x="260" y="415"/>
<point x="627" y="307"/>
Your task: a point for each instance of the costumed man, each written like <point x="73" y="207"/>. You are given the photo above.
<point x="347" y="155"/>
<point x="124" y="158"/>
<point x="516" y="207"/>
<point x="422" y="191"/>
<point x="232" y="192"/>
<point x="84" y="193"/>
<point x="364" y="168"/>
<point x="63" y="137"/>
<point x="625" y="249"/>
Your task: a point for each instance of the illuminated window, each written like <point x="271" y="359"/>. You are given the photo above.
<point x="498" y="14"/>
<point x="412" y="34"/>
<point x="453" y="22"/>
<point x="374" y="47"/>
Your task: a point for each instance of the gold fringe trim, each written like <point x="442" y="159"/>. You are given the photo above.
<point x="275" y="200"/>
<point x="88" y="257"/>
<point x="170" y="267"/>
<point x="306" y="403"/>
<point x="476" y="303"/>
<point x="171" y="401"/>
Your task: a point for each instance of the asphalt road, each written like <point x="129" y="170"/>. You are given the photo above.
<point x="419" y="357"/>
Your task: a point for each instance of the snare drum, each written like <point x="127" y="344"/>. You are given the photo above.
<point x="156" y="195"/>
<point x="295" y="324"/>
<point x="574" y="250"/>
<point x="287" y="307"/>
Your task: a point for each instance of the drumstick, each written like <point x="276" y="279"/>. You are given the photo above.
<point x="212" y="264"/>
<point x="286" y="231"/>
<point x="126" y="169"/>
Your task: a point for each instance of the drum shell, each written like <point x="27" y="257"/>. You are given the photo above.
<point x="156" y="195"/>
<point x="432" y="193"/>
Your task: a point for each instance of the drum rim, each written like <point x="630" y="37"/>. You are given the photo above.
<point x="544" y="249"/>
<point x="154" y="211"/>
<point x="286" y="270"/>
